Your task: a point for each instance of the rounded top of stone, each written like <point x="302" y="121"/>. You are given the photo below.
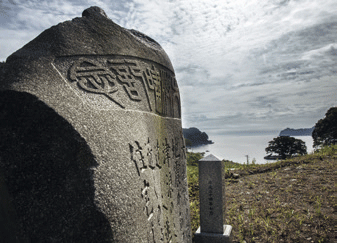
<point x="210" y="158"/>
<point x="92" y="34"/>
<point x="94" y="11"/>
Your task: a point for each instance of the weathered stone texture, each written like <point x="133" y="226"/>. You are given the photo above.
<point x="212" y="195"/>
<point x="91" y="145"/>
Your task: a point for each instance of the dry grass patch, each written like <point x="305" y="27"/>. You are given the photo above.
<point x="288" y="201"/>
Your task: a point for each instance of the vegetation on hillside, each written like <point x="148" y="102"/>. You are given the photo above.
<point x="291" y="200"/>
<point x="286" y="147"/>
<point x="325" y="132"/>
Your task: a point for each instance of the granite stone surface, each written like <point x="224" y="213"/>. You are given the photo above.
<point x="212" y="202"/>
<point x="211" y="194"/>
<point x="91" y="146"/>
<point x="226" y="237"/>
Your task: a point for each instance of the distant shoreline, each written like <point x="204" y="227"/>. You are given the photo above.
<point x="195" y="138"/>
<point x="297" y="132"/>
<point x="235" y="148"/>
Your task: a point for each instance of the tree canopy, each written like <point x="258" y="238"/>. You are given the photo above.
<point x="286" y="146"/>
<point x="325" y="132"/>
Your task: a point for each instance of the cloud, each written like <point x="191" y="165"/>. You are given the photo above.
<point x="329" y="50"/>
<point x="268" y="107"/>
<point x="241" y="65"/>
<point x="23" y="20"/>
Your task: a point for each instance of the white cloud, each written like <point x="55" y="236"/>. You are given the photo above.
<point x="240" y="64"/>
<point x="330" y="49"/>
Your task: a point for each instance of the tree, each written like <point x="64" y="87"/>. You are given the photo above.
<point x="325" y="132"/>
<point x="286" y="146"/>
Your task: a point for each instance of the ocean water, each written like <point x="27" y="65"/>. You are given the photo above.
<point x="236" y="148"/>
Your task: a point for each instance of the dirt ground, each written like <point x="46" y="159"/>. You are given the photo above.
<point x="294" y="202"/>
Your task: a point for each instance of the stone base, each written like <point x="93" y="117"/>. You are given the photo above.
<point x="201" y="237"/>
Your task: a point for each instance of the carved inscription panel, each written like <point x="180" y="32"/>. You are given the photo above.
<point x="163" y="188"/>
<point x="112" y="82"/>
<point x="210" y="198"/>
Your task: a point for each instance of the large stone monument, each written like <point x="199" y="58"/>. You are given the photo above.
<point x="91" y="145"/>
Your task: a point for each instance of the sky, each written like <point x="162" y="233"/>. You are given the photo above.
<point x="243" y="66"/>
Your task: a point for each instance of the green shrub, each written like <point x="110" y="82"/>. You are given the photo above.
<point x="326" y="150"/>
<point x="193" y="158"/>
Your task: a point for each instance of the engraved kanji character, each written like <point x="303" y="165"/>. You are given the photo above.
<point x="167" y="93"/>
<point x="178" y="198"/>
<point x="176" y="148"/>
<point x="174" y="84"/>
<point x="137" y="157"/>
<point x="167" y="231"/>
<point x="157" y="155"/>
<point x="167" y="152"/>
<point x="158" y="98"/>
<point x="168" y="182"/>
<point x="154" y="82"/>
<point x="152" y="77"/>
<point x="183" y="147"/>
<point x="150" y="158"/>
<point x="177" y="173"/>
<point x="146" y="195"/>
<point x="92" y="77"/>
<point x="125" y="72"/>
<point x="157" y="225"/>
<point x="166" y="78"/>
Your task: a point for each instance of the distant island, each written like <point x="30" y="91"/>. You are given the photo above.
<point x="196" y="137"/>
<point x="297" y="132"/>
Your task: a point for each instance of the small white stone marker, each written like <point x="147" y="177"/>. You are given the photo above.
<point x="211" y="193"/>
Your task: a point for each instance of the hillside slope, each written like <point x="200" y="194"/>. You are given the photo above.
<point x="288" y="201"/>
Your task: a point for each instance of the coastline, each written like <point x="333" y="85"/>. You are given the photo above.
<point x="236" y="147"/>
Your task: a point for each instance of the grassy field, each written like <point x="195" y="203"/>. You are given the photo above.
<point x="293" y="200"/>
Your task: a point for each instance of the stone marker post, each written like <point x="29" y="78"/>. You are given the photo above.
<point x="212" y="201"/>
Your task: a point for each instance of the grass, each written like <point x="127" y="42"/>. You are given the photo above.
<point x="292" y="200"/>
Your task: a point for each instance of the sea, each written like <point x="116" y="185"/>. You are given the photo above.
<point x="239" y="148"/>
